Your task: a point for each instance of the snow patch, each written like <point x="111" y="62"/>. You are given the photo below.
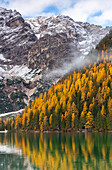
<point x="1" y="69"/>
<point x="19" y="70"/>
<point x="38" y="36"/>
<point x="3" y="58"/>
<point x="10" y="71"/>
<point x="11" y="113"/>
<point x="16" y="71"/>
<point x="83" y="33"/>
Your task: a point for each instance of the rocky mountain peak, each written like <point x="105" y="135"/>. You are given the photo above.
<point x="30" y="49"/>
<point x="10" y="18"/>
<point x="84" y="35"/>
<point x="16" y="36"/>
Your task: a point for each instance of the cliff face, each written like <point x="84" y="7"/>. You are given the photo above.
<point x="83" y="35"/>
<point x="31" y="48"/>
<point x="16" y="37"/>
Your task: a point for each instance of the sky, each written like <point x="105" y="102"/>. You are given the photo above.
<point x="93" y="11"/>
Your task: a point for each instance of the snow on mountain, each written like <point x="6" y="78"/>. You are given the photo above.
<point x="26" y="45"/>
<point x="31" y="49"/>
<point x="11" y="113"/>
<point x="85" y="36"/>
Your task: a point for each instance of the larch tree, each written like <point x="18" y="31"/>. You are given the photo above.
<point x="17" y="122"/>
<point x="75" y="112"/>
<point x="83" y="116"/>
<point x="89" y="121"/>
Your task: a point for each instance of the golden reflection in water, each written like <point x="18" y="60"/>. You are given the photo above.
<point x="64" y="151"/>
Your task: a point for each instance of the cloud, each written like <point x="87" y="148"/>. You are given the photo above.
<point x="34" y="7"/>
<point x="89" y="10"/>
<point x="104" y="19"/>
<point x="93" y="11"/>
<point x="82" y="10"/>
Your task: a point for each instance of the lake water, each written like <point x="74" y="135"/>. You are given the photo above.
<point x="55" y="151"/>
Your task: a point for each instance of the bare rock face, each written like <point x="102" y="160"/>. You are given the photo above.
<point x="52" y="52"/>
<point x="16" y="36"/>
<point x="43" y="42"/>
<point x="83" y="35"/>
<point x="30" y="49"/>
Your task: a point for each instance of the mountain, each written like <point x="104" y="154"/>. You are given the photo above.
<point x="103" y="48"/>
<point x="105" y="43"/>
<point x="81" y="100"/>
<point x="34" y="48"/>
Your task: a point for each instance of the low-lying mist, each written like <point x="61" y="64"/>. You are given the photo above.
<point x="76" y="63"/>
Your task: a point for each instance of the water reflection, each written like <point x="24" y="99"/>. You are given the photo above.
<point x="61" y="151"/>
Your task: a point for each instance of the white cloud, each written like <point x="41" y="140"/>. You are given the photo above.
<point x="79" y="10"/>
<point x="84" y="10"/>
<point x="104" y="19"/>
<point x="35" y="7"/>
<point x="29" y="7"/>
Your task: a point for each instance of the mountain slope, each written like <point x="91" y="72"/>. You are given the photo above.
<point x="105" y="43"/>
<point x="85" y="36"/>
<point x="35" y="52"/>
<point x="80" y="100"/>
<point x="16" y="38"/>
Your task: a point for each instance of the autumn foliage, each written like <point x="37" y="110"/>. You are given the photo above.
<point x="78" y="101"/>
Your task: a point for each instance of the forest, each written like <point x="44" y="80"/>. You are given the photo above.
<point x="80" y="100"/>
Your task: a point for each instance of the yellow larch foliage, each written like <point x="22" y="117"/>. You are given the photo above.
<point x="89" y="121"/>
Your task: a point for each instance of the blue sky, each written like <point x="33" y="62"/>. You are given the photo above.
<point x="92" y="11"/>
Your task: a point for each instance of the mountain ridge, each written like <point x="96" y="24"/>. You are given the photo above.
<point x="26" y="60"/>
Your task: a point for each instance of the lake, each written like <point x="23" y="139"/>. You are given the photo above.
<point x="52" y="151"/>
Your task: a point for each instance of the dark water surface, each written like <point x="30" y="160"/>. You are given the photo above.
<point x="55" y="151"/>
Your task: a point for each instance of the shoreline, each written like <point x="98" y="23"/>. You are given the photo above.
<point x="57" y="131"/>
